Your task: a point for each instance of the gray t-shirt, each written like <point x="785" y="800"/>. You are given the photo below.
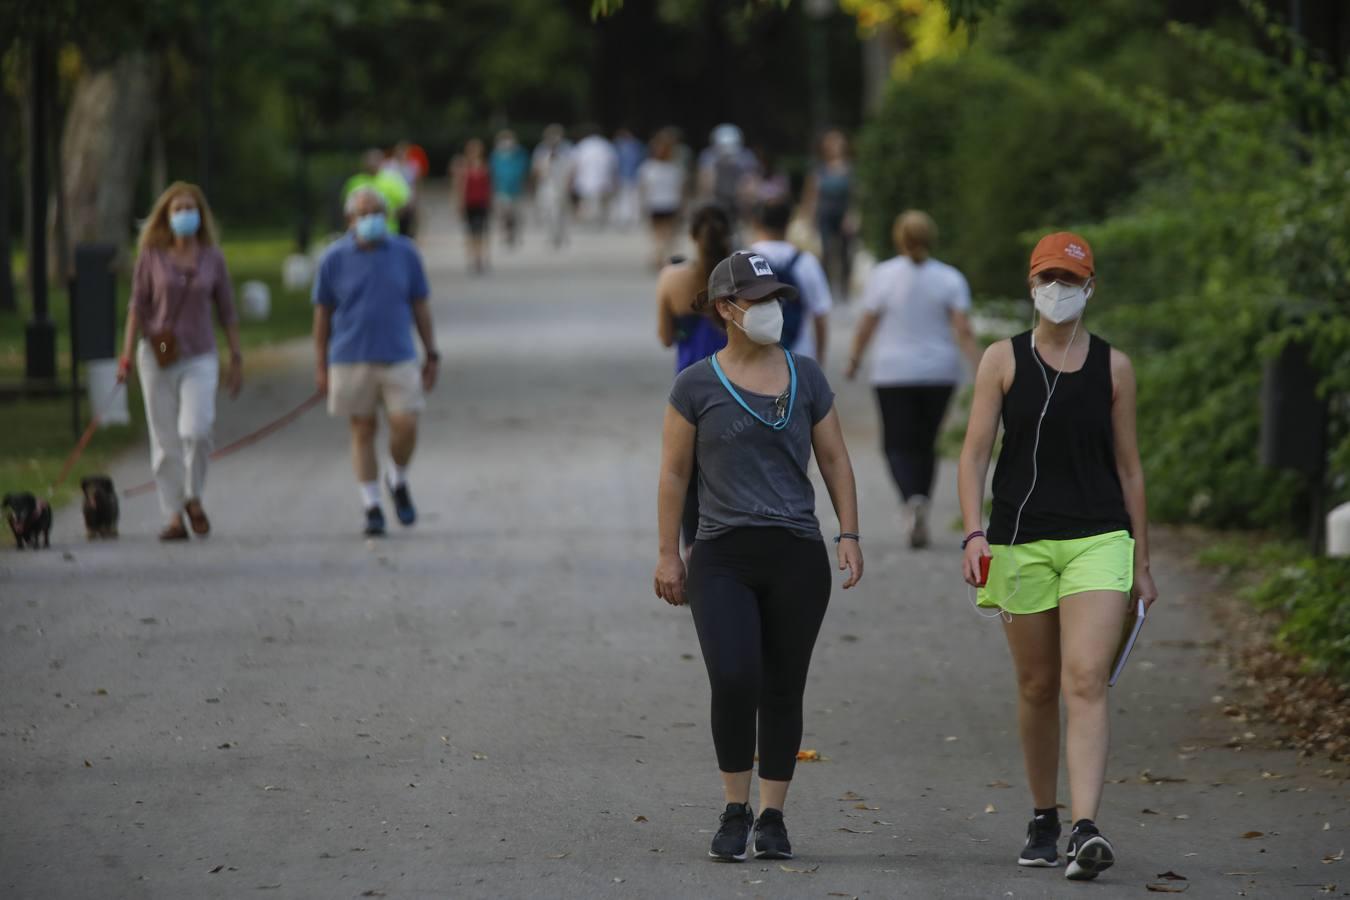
<point x="748" y="474"/>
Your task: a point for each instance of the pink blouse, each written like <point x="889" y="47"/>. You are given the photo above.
<point x="164" y="294"/>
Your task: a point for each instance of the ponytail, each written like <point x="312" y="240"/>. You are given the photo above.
<point x="711" y="230"/>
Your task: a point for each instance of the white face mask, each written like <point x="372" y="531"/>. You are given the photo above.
<point x="1058" y="302"/>
<point x="763" y="322"/>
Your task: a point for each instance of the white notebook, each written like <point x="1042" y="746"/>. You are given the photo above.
<point x="1133" y="625"/>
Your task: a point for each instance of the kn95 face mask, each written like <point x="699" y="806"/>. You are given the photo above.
<point x="1058" y="302"/>
<point x="763" y="322"/>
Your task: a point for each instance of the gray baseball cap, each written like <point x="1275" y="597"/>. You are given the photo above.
<point x="748" y="275"/>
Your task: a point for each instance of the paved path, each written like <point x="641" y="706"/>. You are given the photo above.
<point x="494" y="705"/>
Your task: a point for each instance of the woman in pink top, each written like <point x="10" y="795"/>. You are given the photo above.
<point x="180" y="276"/>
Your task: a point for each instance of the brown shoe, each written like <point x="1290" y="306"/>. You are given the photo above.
<point x="197" y="516"/>
<point x="174" y="531"/>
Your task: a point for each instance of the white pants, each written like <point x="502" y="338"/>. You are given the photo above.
<point x="180" y="408"/>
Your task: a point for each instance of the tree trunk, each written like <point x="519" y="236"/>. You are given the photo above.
<point x="7" y="300"/>
<point x="103" y="146"/>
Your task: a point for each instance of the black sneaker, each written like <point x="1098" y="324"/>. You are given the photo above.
<point x="732" y="841"/>
<point x="403" y="505"/>
<point x="374" y="522"/>
<point x="1089" y="852"/>
<point x="1042" y="847"/>
<point x="771" y="840"/>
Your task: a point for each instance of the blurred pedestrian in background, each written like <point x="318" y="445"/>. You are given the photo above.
<point x="631" y="153"/>
<point x="411" y="167"/>
<point x="806" y="318"/>
<point x="553" y="170"/>
<point x="510" y="166"/>
<point x="680" y="324"/>
<point x="180" y="279"/>
<point x="772" y="184"/>
<point x="471" y="186"/>
<point x="828" y="195"/>
<point x="387" y="180"/>
<point x="596" y="165"/>
<point x="726" y="171"/>
<point x="917" y="309"/>
<point x="661" y="195"/>
<point x="370" y="291"/>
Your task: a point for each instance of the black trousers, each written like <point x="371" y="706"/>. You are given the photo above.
<point x="910" y="418"/>
<point x="758" y="596"/>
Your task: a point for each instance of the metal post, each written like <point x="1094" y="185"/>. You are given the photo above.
<point x="207" y="107"/>
<point x="40" y="335"/>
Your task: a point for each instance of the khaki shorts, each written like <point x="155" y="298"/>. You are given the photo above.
<point x="359" y="389"/>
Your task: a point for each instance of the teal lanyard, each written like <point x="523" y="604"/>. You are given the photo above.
<point x="792" y="393"/>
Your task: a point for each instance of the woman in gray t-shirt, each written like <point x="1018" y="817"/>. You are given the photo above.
<point x="758" y="580"/>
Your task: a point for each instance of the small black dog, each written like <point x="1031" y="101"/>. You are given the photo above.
<point x="100" y="507"/>
<point x="29" y="518"/>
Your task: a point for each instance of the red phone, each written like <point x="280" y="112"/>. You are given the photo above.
<point x="984" y="570"/>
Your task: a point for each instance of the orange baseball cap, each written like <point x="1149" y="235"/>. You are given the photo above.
<point x="1062" y="250"/>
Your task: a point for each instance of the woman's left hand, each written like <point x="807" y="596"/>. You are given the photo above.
<point x="1144" y="588"/>
<point x="234" y="378"/>
<point x="850" y="557"/>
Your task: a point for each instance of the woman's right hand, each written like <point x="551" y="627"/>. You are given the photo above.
<point x="970" y="567"/>
<point x="669" y="579"/>
<point x="123" y="369"/>
<point x="321" y="380"/>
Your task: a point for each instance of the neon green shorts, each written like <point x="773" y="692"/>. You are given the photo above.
<point x="1034" y="577"/>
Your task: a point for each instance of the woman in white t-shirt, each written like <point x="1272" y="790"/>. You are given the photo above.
<point x="661" y="189"/>
<point x="916" y="307"/>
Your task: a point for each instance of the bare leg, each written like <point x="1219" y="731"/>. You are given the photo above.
<point x="1034" y="642"/>
<point x="402" y="437"/>
<point x="1090" y="628"/>
<point x="363" y="448"/>
<point x="772" y="794"/>
<point x="736" y="786"/>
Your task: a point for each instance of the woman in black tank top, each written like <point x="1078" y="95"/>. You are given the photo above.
<point x="1067" y="544"/>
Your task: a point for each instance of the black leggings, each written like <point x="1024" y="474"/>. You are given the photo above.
<point x="758" y="597"/>
<point x="910" y="418"/>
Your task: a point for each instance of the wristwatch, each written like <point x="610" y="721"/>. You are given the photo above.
<point x="433" y="356"/>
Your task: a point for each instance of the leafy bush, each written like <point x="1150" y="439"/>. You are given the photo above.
<point x="1311" y="595"/>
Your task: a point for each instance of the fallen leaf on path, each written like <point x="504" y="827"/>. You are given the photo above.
<point x="850" y="638"/>
<point x="1150" y="812"/>
<point x="810" y="871"/>
<point x="866" y="807"/>
<point x="372" y="893"/>
<point x="1149" y="778"/>
<point x="1169" y="875"/>
<point x="1326" y="826"/>
<point x="215" y="870"/>
<point x="808" y="756"/>
<point x="225" y="746"/>
<point x="1181" y="817"/>
<point x="989" y="808"/>
<point x="842" y="894"/>
<point x="1000" y="783"/>
<point x="101" y="692"/>
<point x="850" y="795"/>
<point x="1254" y="834"/>
<point x="88" y="764"/>
<point x="951" y="737"/>
<point x="1165" y="887"/>
<point x="480" y="756"/>
<point x="557" y="856"/>
<point x="852" y="830"/>
<point x="1242" y="873"/>
<point x="618" y="881"/>
<point x="639" y="818"/>
<point x="1331" y="859"/>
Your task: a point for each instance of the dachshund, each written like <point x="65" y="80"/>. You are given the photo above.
<point x="100" y="507"/>
<point x="29" y="518"/>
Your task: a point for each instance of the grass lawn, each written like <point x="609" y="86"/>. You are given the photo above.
<point x="39" y="434"/>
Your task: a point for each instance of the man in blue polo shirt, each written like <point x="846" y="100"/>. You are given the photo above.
<point x="369" y="293"/>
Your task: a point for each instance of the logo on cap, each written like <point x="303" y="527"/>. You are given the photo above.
<point x="1075" y="251"/>
<point x="760" y="266"/>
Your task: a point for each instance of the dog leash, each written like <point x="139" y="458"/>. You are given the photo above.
<point x="247" y="440"/>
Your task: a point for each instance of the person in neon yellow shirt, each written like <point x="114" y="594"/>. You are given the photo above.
<point x="387" y="183"/>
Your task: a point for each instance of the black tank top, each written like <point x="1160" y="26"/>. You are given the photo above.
<point x="1078" y="493"/>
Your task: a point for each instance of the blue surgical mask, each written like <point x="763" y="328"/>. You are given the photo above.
<point x="185" y="222"/>
<point x="371" y="227"/>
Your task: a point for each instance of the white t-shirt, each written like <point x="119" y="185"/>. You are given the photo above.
<point x="811" y="283"/>
<point x="597" y="165"/>
<point x="914" y="343"/>
<point x="662" y="184"/>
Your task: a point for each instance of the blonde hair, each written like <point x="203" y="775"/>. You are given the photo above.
<point x="155" y="231"/>
<point x="915" y="233"/>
